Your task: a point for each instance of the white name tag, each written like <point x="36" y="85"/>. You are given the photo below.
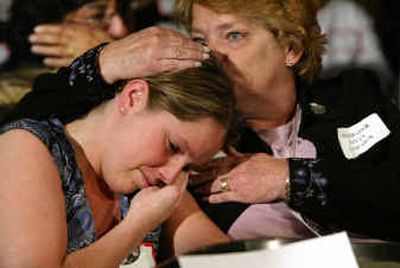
<point x="359" y="138"/>
<point x="142" y="258"/>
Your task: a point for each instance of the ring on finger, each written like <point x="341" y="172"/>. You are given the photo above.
<point x="223" y="184"/>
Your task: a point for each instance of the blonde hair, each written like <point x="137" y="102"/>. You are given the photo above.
<point x="195" y="93"/>
<point x="293" y="23"/>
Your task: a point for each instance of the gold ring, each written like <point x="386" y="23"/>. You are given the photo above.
<point x="223" y="184"/>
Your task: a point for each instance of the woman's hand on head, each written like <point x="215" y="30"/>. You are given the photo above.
<point x="148" y="52"/>
<point x="61" y="43"/>
<point x="153" y="205"/>
<point x="257" y="178"/>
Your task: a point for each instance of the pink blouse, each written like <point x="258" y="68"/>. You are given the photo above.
<point x="276" y="219"/>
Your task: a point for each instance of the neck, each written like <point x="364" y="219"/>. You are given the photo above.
<point x="273" y="109"/>
<point x="86" y="136"/>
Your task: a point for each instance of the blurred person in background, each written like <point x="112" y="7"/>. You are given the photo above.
<point x="86" y="17"/>
<point x="353" y="41"/>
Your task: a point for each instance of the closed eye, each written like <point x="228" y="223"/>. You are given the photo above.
<point x="173" y="148"/>
<point x="199" y="40"/>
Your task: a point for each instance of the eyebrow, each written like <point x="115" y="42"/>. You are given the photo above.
<point x="95" y="5"/>
<point x="221" y="27"/>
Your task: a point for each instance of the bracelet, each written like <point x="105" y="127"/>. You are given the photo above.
<point x="287" y="190"/>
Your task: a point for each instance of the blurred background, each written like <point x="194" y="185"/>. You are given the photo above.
<point x="361" y="33"/>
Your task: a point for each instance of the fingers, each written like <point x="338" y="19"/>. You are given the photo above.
<point x="174" y="65"/>
<point x="55" y="51"/>
<point x="222" y="191"/>
<point x="182" y="52"/>
<point x="48" y="28"/>
<point x="174" y="58"/>
<point x="182" y="180"/>
<point x="222" y="197"/>
<point x="50" y="34"/>
<point x="56" y="62"/>
<point x="222" y="184"/>
<point x="49" y="39"/>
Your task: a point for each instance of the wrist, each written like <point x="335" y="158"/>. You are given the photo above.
<point x="284" y="192"/>
<point x="103" y="66"/>
<point x="286" y="197"/>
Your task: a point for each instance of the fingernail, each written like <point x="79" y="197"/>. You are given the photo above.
<point x="197" y="64"/>
<point x="206" y="56"/>
<point x="206" y="49"/>
<point x="31" y="38"/>
<point x="37" y="29"/>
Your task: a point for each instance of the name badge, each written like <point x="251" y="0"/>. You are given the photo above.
<point x="359" y="138"/>
<point x="141" y="257"/>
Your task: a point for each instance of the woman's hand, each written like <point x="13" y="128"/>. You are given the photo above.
<point x="147" y="52"/>
<point x="153" y="205"/>
<point x="60" y="44"/>
<point x="257" y="178"/>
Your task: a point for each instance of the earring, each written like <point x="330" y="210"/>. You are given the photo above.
<point x="122" y="109"/>
<point x="290" y="62"/>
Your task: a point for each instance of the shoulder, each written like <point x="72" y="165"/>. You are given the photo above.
<point x="31" y="199"/>
<point x="20" y="146"/>
<point x="27" y="142"/>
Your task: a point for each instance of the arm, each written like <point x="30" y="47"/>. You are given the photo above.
<point x="32" y="230"/>
<point x="189" y="228"/>
<point x="358" y="197"/>
<point x="73" y="90"/>
<point x="32" y="212"/>
<point x="61" y="43"/>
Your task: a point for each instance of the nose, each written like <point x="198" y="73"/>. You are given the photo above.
<point x="169" y="172"/>
<point x="216" y="46"/>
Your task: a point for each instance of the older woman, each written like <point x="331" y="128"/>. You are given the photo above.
<point x="63" y="187"/>
<point x="334" y="143"/>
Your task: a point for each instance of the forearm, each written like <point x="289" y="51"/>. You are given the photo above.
<point x="112" y="248"/>
<point x="358" y="197"/>
<point x="189" y="228"/>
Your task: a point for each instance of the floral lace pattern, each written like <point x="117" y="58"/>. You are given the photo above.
<point x="307" y="185"/>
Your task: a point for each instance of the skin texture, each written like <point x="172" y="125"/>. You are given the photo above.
<point x="258" y="66"/>
<point x="90" y="25"/>
<point x="114" y="158"/>
<point x="156" y="49"/>
<point x="257" y="63"/>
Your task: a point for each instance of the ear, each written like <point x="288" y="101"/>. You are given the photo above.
<point x="292" y="54"/>
<point x="133" y="97"/>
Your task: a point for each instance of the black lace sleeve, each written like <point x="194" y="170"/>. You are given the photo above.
<point x="307" y="185"/>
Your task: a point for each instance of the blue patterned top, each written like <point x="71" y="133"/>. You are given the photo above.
<point x="81" y="229"/>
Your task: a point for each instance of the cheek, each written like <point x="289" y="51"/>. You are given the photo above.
<point x="251" y="62"/>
